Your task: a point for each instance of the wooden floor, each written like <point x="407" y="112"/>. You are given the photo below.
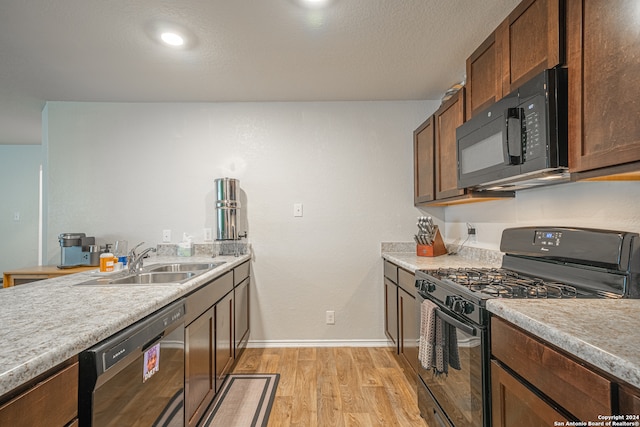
<point x="345" y="386"/>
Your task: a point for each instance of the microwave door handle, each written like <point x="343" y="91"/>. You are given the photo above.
<point x="513" y="143"/>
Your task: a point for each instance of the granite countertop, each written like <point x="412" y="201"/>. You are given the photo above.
<point x="601" y="332"/>
<point x="47" y="322"/>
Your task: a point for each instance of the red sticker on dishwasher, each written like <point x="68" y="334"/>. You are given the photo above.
<point x="151" y="362"/>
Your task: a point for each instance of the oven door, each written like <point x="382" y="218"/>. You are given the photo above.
<point x="459" y="397"/>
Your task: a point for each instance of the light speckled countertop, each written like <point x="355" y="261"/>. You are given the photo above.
<point x="45" y="323"/>
<point x="602" y="332"/>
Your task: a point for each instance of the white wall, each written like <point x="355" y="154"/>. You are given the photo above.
<point x="131" y="170"/>
<point x="19" y="175"/>
<point x="613" y="205"/>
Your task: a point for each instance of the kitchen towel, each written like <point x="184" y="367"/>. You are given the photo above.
<point x="438" y="346"/>
<point x="427" y="333"/>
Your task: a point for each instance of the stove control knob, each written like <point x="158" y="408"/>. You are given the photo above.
<point x="466" y="307"/>
<point x="425" y="286"/>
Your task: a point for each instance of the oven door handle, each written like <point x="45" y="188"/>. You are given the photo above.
<point x="458" y="324"/>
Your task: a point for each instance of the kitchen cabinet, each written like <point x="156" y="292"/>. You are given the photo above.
<point x="531" y="39"/>
<point x="224" y="349"/>
<point x="401" y="321"/>
<point x="528" y="41"/>
<point x="50" y="400"/>
<point x="241" y="280"/>
<point x="530" y="378"/>
<point x="484" y="77"/>
<point x="208" y="324"/>
<point x="629" y="401"/>
<point x="424" y="162"/>
<point x="41" y="272"/>
<point x="603" y="60"/>
<point x="447" y="118"/>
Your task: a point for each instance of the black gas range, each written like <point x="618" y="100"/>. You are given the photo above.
<point x="538" y="262"/>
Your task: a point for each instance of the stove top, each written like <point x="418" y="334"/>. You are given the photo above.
<point x="503" y="283"/>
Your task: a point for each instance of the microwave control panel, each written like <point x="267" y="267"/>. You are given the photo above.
<point x="533" y="144"/>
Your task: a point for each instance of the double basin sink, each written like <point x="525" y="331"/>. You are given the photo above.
<point x="174" y="273"/>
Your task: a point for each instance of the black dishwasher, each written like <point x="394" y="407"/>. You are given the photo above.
<point x="136" y="377"/>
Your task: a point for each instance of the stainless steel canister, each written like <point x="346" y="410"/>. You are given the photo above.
<point x="227" y="206"/>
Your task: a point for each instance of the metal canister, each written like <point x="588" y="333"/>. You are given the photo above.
<point x="227" y="205"/>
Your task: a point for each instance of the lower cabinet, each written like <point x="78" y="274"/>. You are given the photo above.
<point x="514" y="404"/>
<point x="224" y="350"/>
<point x="531" y="379"/>
<point x="400" y="314"/>
<point x="50" y="401"/>
<point x="217" y="326"/>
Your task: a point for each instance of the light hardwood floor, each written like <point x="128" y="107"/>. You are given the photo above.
<point x="344" y="386"/>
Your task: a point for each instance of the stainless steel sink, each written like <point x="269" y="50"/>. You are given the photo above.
<point x="174" y="273"/>
<point x="150" y="278"/>
<point x="187" y="266"/>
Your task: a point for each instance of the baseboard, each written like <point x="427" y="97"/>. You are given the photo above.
<point x="317" y="343"/>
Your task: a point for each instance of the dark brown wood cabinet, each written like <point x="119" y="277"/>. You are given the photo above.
<point x="424" y="162"/>
<point x="208" y="344"/>
<point x="447" y="118"/>
<point x="603" y="60"/>
<point x="50" y="400"/>
<point x="224" y="349"/>
<point x="560" y="382"/>
<point x="528" y="41"/>
<point x="401" y="322"/>
<point x="514" y="404"/>
<point x="629" y="401"/>
<point x="484" y="75"/>
<point x="241" y="296"/>
<point x="531" y="40"/>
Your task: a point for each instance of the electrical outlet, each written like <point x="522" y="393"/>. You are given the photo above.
<point x="331" y="317"/>
<point x="208" y="235"/>
<point x="166" y="236"/>
<point x="472" y="233"/>
<point x="297" y="209"/>
<point x="16" y="216"/>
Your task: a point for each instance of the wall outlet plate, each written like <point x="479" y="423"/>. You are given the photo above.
<point x="166" y="236"/>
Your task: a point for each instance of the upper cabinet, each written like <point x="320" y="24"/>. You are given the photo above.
<point x="484" y="77"/>
<point x="447" y="118"/>
<point x="424" y="163"/>
<point x="528" y="41"/>
<point x="603" y="59"/>
<point x="531" y="40"/>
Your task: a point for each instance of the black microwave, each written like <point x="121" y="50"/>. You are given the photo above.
<point x="520" y="141"/>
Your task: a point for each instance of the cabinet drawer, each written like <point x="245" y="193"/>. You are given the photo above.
<point x="579" y="390"/>
<point x="407" y="281"/>
<point x="199" y="301"/>
<point x="240" y="273"/>
<point x="51" y="403"/>
<point x="629" y="401"/>
<point x="391" y="271"/>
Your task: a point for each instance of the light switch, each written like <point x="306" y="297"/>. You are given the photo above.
<point x="297" y="209"/>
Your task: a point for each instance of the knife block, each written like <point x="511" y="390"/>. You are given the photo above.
<point x="437" y="248"/>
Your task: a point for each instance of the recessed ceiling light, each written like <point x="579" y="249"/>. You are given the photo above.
<point x="314" y="4"/>
<point x="172" y="39"/>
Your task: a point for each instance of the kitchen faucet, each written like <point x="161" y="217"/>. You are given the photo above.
<point x="135" y="261"/>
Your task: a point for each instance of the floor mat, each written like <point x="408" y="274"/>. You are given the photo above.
<point x="244" y="401"/>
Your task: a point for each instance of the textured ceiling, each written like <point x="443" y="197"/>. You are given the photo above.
<point x="238" y="50"/>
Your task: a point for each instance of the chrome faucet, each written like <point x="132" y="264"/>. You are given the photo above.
<point x="135" y="261"/>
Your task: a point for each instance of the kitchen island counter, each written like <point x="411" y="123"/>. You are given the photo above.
<point x="602" y="332"/>
<point x="47" y="322"/>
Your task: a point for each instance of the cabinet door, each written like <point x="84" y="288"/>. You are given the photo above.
<point x="603" y="59"/>
<point x="424" y="163"/>
<point x="448" y="117"/>
<point x="408" y="328"/>
<point x="391" y="311"/>
<point x="241" y="324"/>
<point x="629" y="401"/>
<point x="531" y="40"/>
<point x="199" y="385"/>
<point x="484" y="78"/>
<point x="223" y="339"/>
<point x="513" y="404"/>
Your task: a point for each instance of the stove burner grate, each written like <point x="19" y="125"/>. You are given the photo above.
<point x="502" y="283"/>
